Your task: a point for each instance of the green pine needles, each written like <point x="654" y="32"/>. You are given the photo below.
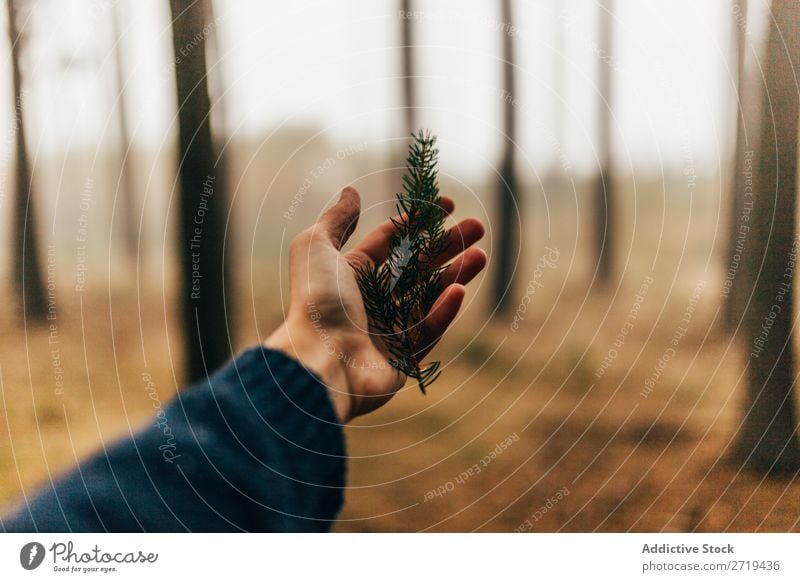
<point x="400" y="293"/>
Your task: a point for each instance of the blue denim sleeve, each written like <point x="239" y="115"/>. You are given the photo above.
<point x="255" y="447"/>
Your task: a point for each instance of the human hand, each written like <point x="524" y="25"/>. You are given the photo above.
<point x="327" y="329"/>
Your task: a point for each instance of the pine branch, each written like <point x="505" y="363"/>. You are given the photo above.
<point x="400" y="293"/>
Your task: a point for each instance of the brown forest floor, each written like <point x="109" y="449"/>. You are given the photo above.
<point x="627" y="462"/>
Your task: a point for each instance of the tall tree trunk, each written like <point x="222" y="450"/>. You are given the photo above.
<point x="560" y="81"/>
<point x="767" y="442"/>
<point x="741" y="196"/>
<point x="219" y="114"/>
<point x="603" y="190"/>
<point x="202" y="207"/>
<point x="409" y="95"/>
<point x="217" y="86"/>
<point x="128" y="212"/>
<point x="507" y="207"/>
<point x="26" y="264"/>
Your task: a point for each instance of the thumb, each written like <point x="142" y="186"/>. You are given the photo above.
<point x="339" y="221"/>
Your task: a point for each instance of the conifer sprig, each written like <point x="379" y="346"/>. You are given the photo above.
<point x="400" y="293"/>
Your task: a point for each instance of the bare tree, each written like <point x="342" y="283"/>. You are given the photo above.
<point x="26" y="263"/>
<point x="214" y="57"/>
<point x="560" y="81"/>
<point x="747" y="112"/>
<point x="126" y="189"/>
<point x="202" y="202"/>
<point x="603" y="189"/>
<point x="508" y="188"/>
<point x="767" y="441"/>
<point x="217" y="88"/>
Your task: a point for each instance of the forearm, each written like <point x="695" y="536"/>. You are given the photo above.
<point x="256" y="447"/>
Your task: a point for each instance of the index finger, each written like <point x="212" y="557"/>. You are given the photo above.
<point x="442" y="314"/>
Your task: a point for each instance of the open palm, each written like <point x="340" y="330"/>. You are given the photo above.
<point x="326" y="306"/>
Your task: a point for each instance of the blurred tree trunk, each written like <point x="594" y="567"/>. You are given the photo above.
<point x="409" y="96"/>
<point x="767" y="442"/>
<point x="202" y="208"/>
<point x="603" y="189"/>
<point x="219" y="114"/>
<point x="128" y="212"/>
<point x="560" y="81"/>
<point x="555" y="180"/>
<point x="507" y="188"/>
<point x="26" y="264"/>
<point x="214" y="56"/>
<point x="746" y="118"/>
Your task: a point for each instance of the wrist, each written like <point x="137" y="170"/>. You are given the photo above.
<point x="319" y="355"/>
